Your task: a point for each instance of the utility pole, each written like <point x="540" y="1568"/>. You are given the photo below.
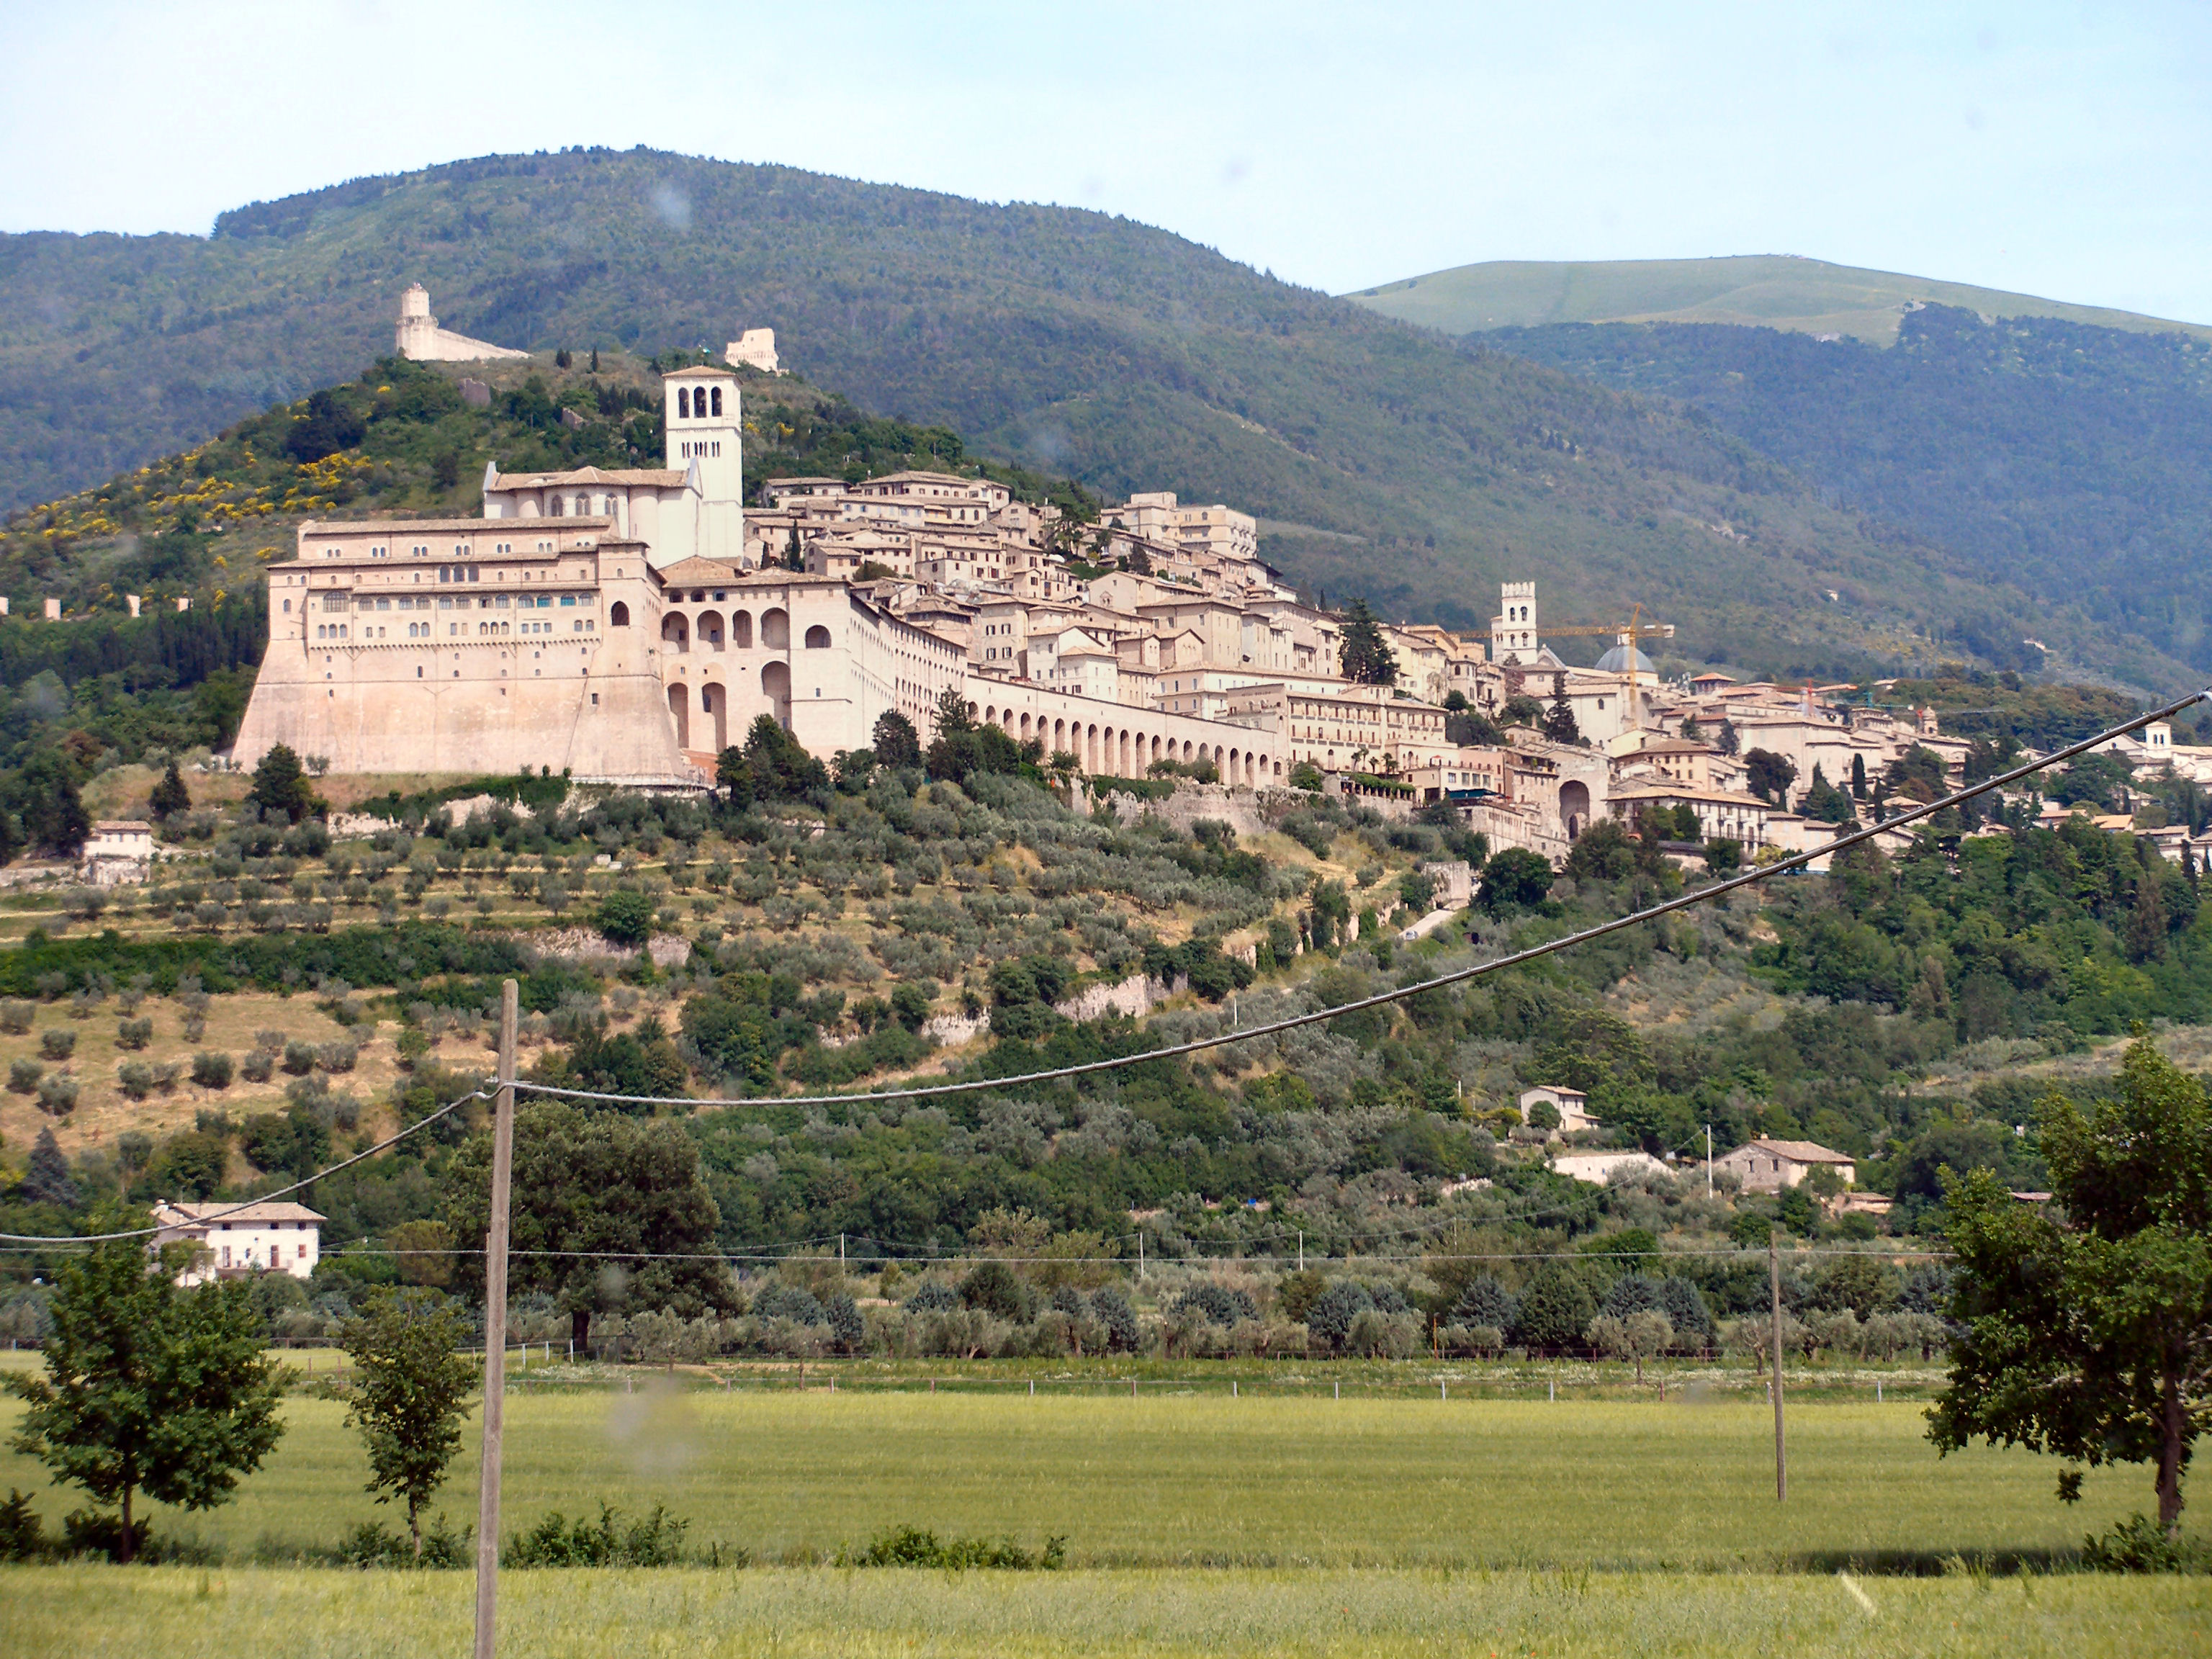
<point x="840" y="1253"/>
<point x="502" y="1176"/>
<point x="1781" y="1454"/>
<point x="1301" y="1250"/>
<point x="1708" y="1160"/>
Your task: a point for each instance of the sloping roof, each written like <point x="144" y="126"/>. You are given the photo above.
<point x="1802" y="1151"/>
<point x="715" y="370"/>
<point x="661" y="477"/>
<point x="169" y="1214"/>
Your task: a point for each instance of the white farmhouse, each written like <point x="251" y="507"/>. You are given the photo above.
<point x="1599" y="1168"/>
<point x="117" y="852"/>
<point x="272" y="1238"/>
<point x="1571" y="1104"/>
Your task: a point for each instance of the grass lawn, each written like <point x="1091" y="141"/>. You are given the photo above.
<point x="1200" y="1480"/>
<point x="66" y="1612"/>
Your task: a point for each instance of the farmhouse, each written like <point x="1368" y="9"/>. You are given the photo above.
<point x="1599" y="1168"/>
<point x="1571" y="1104"/>
<point x="1770" y="1166"/>
<point x="269" y="1238"/>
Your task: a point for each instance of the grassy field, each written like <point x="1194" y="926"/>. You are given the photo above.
<point x="90" y="1612"/>
<point x="1202" y="1480"/>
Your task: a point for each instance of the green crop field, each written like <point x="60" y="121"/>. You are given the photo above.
<point x="1196" y="1524"/>
<point x="1202" y="1480"/>
<point x="86" y="1612"/>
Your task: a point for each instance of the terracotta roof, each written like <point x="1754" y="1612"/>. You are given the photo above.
<point x="632" y="475"/>
<point x="170" y="1214"/>
<point x="1802" y="1151"/>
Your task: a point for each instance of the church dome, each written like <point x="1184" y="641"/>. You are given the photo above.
<point x="1615" y="661"/>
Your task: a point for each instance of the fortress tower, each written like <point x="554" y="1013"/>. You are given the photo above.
<point x="706" y="442"/>
<point x="419" y="340"/>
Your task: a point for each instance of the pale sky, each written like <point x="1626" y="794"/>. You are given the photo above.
<point x="2054" y="149"/>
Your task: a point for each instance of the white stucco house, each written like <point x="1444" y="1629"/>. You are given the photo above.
<point x="271" y="1237"/>
<point x="1599" y="1168"/>
<point x="1571" y="1104"/>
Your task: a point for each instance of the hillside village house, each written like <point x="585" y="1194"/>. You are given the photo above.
<point x="229" y="1240"/>
<point x="1600" y="1168"/>
<point x="1571" y="1104"/>
<point x="119" y="852"/>
<point x="1773" y="1166"/>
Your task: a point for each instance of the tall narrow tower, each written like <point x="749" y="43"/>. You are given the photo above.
<point x="705" y="441"/>
<point x="1513" y="629"/>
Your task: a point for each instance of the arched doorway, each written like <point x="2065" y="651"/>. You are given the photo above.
<point x="679" y="709"/>
<point x="775" y="686"/>
<point x="775" y="629"/>
<point x="1574" y="806"/>
<point x="714" y="700"/>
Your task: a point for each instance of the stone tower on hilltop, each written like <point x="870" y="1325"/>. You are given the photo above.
<point x="420" y="338"/>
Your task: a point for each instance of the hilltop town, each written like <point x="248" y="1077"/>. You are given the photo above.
<point x="625" y="626"/>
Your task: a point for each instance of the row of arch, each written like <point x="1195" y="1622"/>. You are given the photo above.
<point x="702" y="404"/>
<point x="1111" y="752"/>
<point x="708" y="726"/>
<point x="678" y="632"/>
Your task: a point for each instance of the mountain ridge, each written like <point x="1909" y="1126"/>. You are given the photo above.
<point x="1785" y="291"/>
<point x="1065" y="340"/>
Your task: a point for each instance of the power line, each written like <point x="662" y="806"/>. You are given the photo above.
<point x="1702" y="896"/>
<point x="247" y="1204"/>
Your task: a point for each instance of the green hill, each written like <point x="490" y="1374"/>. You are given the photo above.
<point x="2040" y="449"/>
<point x="1384" y="460"/>
<point x="1766" y="291"/>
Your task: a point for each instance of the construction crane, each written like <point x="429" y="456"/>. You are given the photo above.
<point x="1629" y="634"/>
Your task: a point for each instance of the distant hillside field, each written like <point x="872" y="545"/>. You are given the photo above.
<point x="1385" y="460"/>
<point x="1766" y="290"/>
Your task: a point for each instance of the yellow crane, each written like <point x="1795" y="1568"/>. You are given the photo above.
<point x="1630" y="634"/>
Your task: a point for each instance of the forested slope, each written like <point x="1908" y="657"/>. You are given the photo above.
<point x="2074" y="460"/>
<point x="1382" y="459"/>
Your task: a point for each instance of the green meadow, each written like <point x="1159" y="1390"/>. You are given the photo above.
<point x="1202" y="1479"/>
<point x="90" y="1612"/>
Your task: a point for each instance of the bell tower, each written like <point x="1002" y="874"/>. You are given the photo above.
<point x="705" y="441"/>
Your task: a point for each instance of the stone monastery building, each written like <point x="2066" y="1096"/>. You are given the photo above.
<point x="626" y="625"/>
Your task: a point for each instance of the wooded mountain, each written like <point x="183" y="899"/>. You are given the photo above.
<point x="1383" y="460"/>
<point x="1763" y="291"/>
<point x="2074" y="460"/>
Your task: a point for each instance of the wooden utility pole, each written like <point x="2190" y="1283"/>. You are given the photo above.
<point x="502" y="1174"/>
<point x="1780" y="1453"/>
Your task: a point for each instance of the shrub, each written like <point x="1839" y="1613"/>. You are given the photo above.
<point x="258" y="1066"/>
<point x="299" y="1058"/>
<point x="931" y="1297"/>
<point x="996" y="1289"/>
<point x="846" y="1328"/>
<point x="801" y="1307"/>
<point x="912" y="1546"/>
<point x="336" y="1057"/>
<point x="1220" y="1305"/>
<point x="656" y="1541"/>
<point x="20" y="1539"/>
<point x="57" y="1042"/>
<point x="58" y="1095"/>
<point x="1329" y="1320"/>
<point x="1555" y="1311"/>
<point x="625" y="918"/>
<point x="23" y="1075"/>
<point x="1112" y="1311"/>
<point x="1484" y="1302"/>
<point x="16" y="1017"/>
<point x="2138" y="1544"/>
<point x="211" y="1070"/>
<point x="136" y="1078"/>
<point x="134" y="1034"/>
